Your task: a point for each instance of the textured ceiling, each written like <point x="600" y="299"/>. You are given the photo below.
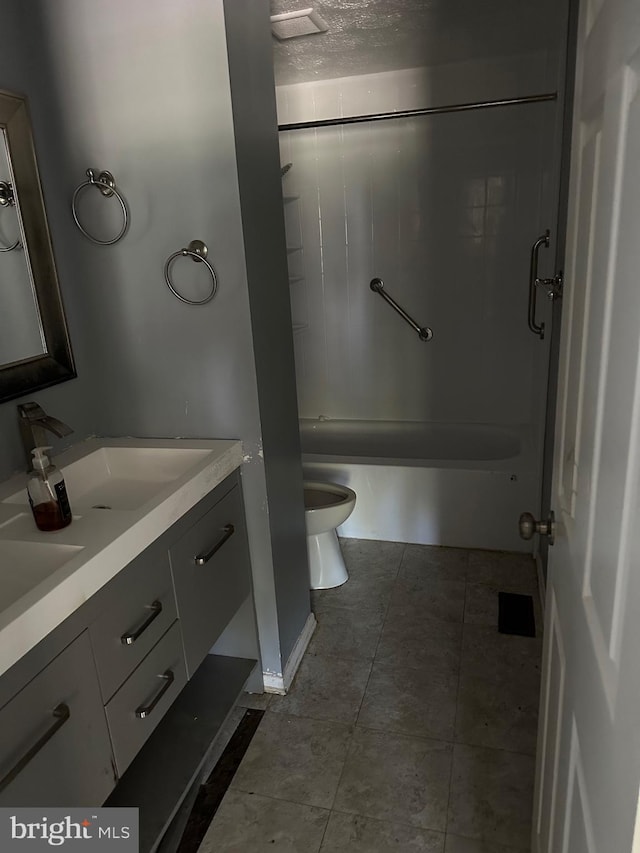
<point x="367" y="36"/>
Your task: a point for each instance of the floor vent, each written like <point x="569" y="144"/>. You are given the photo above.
<point x="515" y="614"/>
<point x="304" y="22"/>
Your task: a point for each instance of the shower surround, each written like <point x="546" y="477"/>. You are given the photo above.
<point x="444" y="209"/>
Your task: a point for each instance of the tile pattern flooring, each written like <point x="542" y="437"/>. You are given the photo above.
<point x="411" y="723"/>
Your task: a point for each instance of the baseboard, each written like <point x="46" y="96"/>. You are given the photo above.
<point x="273" y="683"/>
<point x="281" y="683"/>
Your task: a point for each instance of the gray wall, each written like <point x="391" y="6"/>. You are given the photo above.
<point x="143" y="90"/>
<point x="249" y="44"/>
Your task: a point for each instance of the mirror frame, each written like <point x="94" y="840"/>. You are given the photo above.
<point x="56" y="364"/>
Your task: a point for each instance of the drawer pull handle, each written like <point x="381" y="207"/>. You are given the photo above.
<point x="229" y="530"/>
<point x="144" y="710"/>
<point x="62" y="714"/>
<point x="129" y="639"/>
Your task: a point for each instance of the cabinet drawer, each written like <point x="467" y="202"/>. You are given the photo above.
<point x="210" y="568"/>
<point x="141" y="606"/>
<point x="144" y="698"/>
<point x="55" y="739"/>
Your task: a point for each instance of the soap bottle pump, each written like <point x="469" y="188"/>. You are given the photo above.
<point x="47" y="493"/>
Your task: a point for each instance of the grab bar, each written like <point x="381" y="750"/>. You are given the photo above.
<point x="533" y="279"/>
<point x="424" y="332"/>
<point x="554" y="286"/>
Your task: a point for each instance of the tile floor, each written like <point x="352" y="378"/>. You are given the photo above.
<point x="411" y="723"/>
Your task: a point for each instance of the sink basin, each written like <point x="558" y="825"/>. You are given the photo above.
<point x="122" y="478"/>
<point x="149" y="483"/>
<point x="23" y="565"/>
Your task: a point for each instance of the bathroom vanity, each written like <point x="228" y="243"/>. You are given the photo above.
<point x="108" y="692"/>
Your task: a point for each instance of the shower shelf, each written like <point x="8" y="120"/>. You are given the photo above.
<point x="293" y="231"/>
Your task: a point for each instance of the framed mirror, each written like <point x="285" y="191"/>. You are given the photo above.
<point x="35" y="350"/>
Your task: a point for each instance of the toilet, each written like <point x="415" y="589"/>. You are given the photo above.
<point x="327" y="506"/>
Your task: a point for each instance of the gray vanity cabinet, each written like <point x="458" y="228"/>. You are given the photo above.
<point x="211" y="573"/>
<point x="144" y="698"/>
<point x="101" y="707"/>
<point x="138" y="607"/>
<point x="55" y="748"/>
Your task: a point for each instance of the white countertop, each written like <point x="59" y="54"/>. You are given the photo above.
<point x="75" y="562"/>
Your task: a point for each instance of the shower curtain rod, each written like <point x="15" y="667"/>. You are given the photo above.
<point x="424" y="111"/>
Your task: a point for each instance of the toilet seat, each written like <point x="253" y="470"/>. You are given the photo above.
<point x="327" y="506"/>
<point x="315" y="498"/>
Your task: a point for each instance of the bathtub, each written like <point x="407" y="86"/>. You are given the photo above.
<point x="459" y="485"/>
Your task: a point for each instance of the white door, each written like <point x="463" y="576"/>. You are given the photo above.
<point x="588" y="771"/>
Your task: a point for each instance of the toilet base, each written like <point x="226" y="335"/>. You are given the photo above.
<point x="326" y="563"/>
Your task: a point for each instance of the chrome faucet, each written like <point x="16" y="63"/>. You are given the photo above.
<point x="34" y="424"/>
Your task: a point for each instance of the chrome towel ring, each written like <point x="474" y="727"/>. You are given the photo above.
<point x="106" y="184"/>
<point x="8" y="199"/>
<point x="197" y="251"/>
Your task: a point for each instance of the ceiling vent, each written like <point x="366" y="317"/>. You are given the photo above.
<point x="304" y="22"/>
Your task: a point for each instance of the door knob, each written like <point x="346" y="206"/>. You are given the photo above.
<point x="528" y="526"/>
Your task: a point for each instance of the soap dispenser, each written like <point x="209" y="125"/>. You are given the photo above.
<point x="47" y="493"/>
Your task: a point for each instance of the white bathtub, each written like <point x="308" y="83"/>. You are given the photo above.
<point x="435" y="484"/>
